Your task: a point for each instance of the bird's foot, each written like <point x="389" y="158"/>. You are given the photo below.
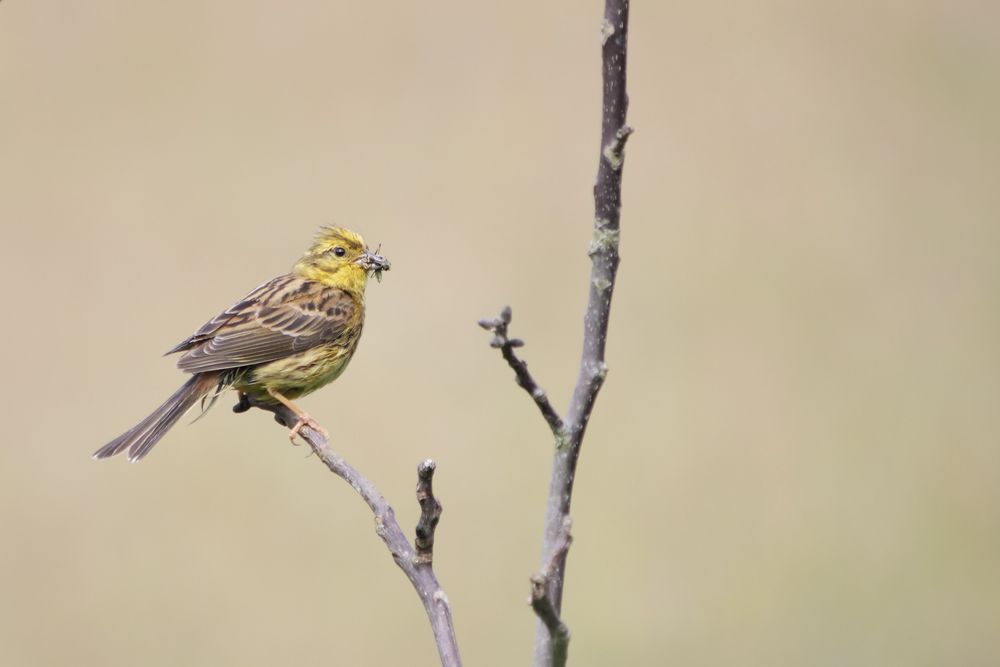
<point x="306" y="420"/>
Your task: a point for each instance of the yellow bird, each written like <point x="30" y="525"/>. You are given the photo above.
<point x="287" y="338"/>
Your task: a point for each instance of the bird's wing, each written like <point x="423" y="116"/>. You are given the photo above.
<point x="281" y="317"/>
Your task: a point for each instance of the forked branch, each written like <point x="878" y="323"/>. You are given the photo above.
<point x="552" y="635"/>
<point x="416" y="563"/>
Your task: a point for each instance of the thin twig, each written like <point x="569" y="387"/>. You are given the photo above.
<point x="524" y="380"/>
<point x="417" y="568"/>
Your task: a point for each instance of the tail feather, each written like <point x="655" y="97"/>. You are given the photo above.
<point x="140" y="438"/>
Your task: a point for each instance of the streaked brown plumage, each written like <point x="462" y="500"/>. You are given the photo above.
<point x="287" y="338"/>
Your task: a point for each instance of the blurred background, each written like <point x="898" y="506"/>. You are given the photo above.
<point x="794" y="460"/>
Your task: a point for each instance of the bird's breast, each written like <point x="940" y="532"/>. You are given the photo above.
<point x="299" y="374"/>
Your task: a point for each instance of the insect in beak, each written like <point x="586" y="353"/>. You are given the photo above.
<point x="373" y="262"/>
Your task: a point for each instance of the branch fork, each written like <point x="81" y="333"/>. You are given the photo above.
<point x="552" y="635"/>
<point x="416" y="562"/>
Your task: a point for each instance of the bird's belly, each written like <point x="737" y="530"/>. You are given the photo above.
<point x="300" y="374"/>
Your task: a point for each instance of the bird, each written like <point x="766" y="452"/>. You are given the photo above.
<point x="285" y="339"/>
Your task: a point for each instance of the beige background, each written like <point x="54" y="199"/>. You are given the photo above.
<point x="795" y="458"/>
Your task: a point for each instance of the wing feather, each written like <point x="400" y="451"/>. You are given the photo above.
<point x="280" y="318"/>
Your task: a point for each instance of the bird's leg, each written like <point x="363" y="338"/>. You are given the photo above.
<point x="304" y="419"/>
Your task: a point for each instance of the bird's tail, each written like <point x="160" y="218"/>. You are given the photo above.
<point x="140" y="438"/>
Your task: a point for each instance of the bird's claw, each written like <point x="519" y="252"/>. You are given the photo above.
<point x="306" y="420"/>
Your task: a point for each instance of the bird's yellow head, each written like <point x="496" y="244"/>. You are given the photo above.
<point x="339" y="258"/>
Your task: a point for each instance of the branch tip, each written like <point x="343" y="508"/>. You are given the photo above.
<point x="426" y="469"/>
<point x="523" y="378"/>
<point x="430" y="511"/>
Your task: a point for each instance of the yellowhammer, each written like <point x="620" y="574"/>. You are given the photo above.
<point x="287" y="338"/>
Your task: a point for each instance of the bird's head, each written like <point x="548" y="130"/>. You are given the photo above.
<point x="339" y="257"/>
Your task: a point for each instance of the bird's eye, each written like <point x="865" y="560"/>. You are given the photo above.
<point x="339" y="252"/>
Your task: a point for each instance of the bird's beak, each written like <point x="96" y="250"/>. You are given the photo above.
<point x="373" y="263"/>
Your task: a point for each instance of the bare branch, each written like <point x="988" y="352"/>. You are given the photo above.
<point x="552" y="635"/>
<point x="560" y="547"/>
<point x="524" y="380"/>
<point x="430" y="511"/>
<point x="415" y="565"/>
<point x="542" y="603"/>
<point x="549" y="616"/>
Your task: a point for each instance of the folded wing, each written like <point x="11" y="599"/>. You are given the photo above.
<point x="280" y="318"/>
